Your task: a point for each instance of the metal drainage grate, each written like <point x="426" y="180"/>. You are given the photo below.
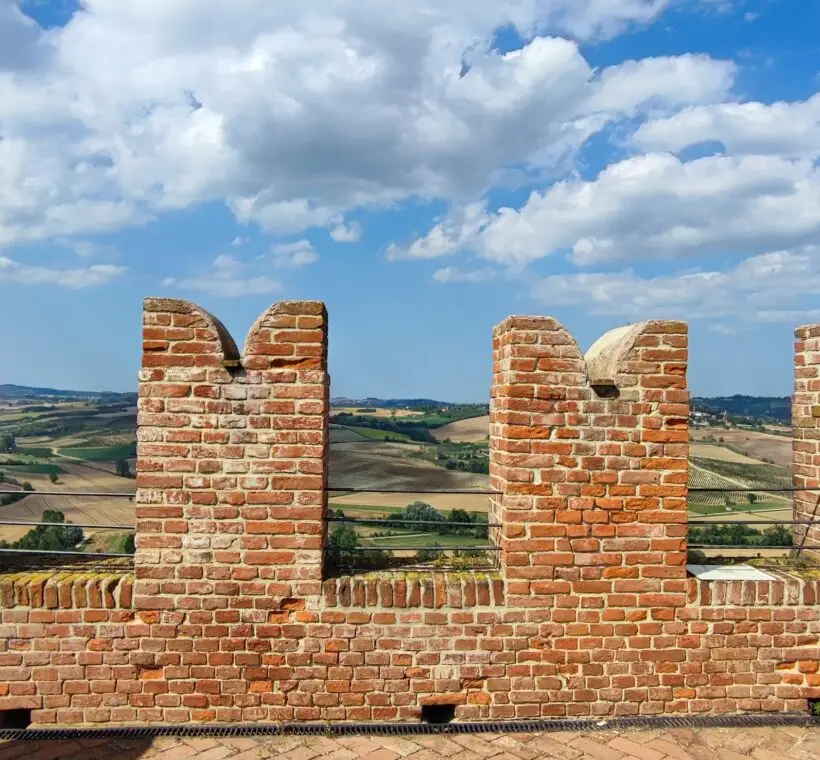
<point x="408" y="729"/>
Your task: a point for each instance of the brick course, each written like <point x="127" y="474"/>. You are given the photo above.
<point x="590" y="611"/>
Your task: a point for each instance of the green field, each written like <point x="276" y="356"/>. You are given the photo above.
<point x="34" y="451"/>
<point x="703" y="509"/>
<point x="374" y="434"/>
<point x="423" y="540"/>
<point x="33" y="469"/>
<point x="102" y="454"/>
<point x="750" y="475"/>
<point x="349" y="508"/>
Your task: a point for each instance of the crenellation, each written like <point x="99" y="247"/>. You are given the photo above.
<point x="228" y="617"/>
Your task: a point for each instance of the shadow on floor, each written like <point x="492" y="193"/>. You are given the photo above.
<point x="79" y="749"/>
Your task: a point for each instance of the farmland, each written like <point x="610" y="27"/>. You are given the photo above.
<point x="68" y="445"/>
<point x="467" y="431"/>
<point x="763" y="446"/>
<point x="407" y="452"/>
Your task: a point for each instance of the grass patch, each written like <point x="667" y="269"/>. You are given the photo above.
<point x="113" y="542"/>
<point x="102" y="454"/>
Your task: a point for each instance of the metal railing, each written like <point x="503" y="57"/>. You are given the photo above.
<point x="458" y="551"/>
<point x="18" y="553"/>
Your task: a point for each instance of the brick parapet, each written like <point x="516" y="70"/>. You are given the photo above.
<point x="735" y="646"/>
<point x="806" y="434"/>
<point x="589" y="614"/>
<point x="417" y="590"/>
<point x="66" y="590"/>
<point x="784" y="591"/>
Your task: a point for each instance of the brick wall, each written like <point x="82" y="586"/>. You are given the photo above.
<point x="806" y="432"/>
<point x="589" y="613"/>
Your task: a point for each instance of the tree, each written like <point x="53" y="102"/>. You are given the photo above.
<point x="122" y="469"/>
<point x="58" y="536"/>
<point x="53" y="477"/>
<point x="738" y="535"/>
<point x="342" y="538"/>
<point x="429" y="553"/>
<point x="752" y="497"/>
<point x="777" y="535"/>
<point x="7" y="443"/>
<point x="27" y="486"/>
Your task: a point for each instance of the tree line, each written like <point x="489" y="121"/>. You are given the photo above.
<point x="58" y="536"/>
<point x="740" y="535"/>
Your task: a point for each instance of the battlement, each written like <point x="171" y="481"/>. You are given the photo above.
<point x="589" y="612"/>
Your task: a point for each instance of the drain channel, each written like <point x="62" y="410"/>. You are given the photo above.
<point x="409" y="729"/>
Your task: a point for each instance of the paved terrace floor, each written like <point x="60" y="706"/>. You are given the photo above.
<point x="780" y="743"/>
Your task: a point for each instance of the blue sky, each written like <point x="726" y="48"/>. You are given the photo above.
<point x="424" y="168"/>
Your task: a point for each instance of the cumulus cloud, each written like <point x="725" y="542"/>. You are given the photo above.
<point x="780" y="129"/>
<point x="226" y="278"/>
<point x="750" y="289"/>
<point x="17" y="273"/>
<point x="654" y="206"/>
<point x="19" y="38"/>
<point x="458" y="229"/>
<point x="294" y="255"/>
<point x="294" y="113"/>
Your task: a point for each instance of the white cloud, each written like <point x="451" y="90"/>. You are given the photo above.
<point x="452" y="233"/>
<point x="86" y="248"/>
<point x="651" y="207"/>
<point x="787" y="315"/>
<point x="294" y="255"/>
<point x="22" y="274"/>
<point x="780" y="129"/>
<point x="454" y="274"/>
<point x="721" y="329"/>
<point x="298" y="112"/>
<point x="586" y="19"/>
<point x="19" y="37"/>
<point x="662" y="82"/>
<point x="226" y="278"/>
<point x="345" y="233"/>
<point x="239" y="240"/>
<point x="749" y="17"/>
<point x="753" y="289"/>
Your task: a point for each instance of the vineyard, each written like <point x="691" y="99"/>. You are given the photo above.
<point x="748" y="486"/>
